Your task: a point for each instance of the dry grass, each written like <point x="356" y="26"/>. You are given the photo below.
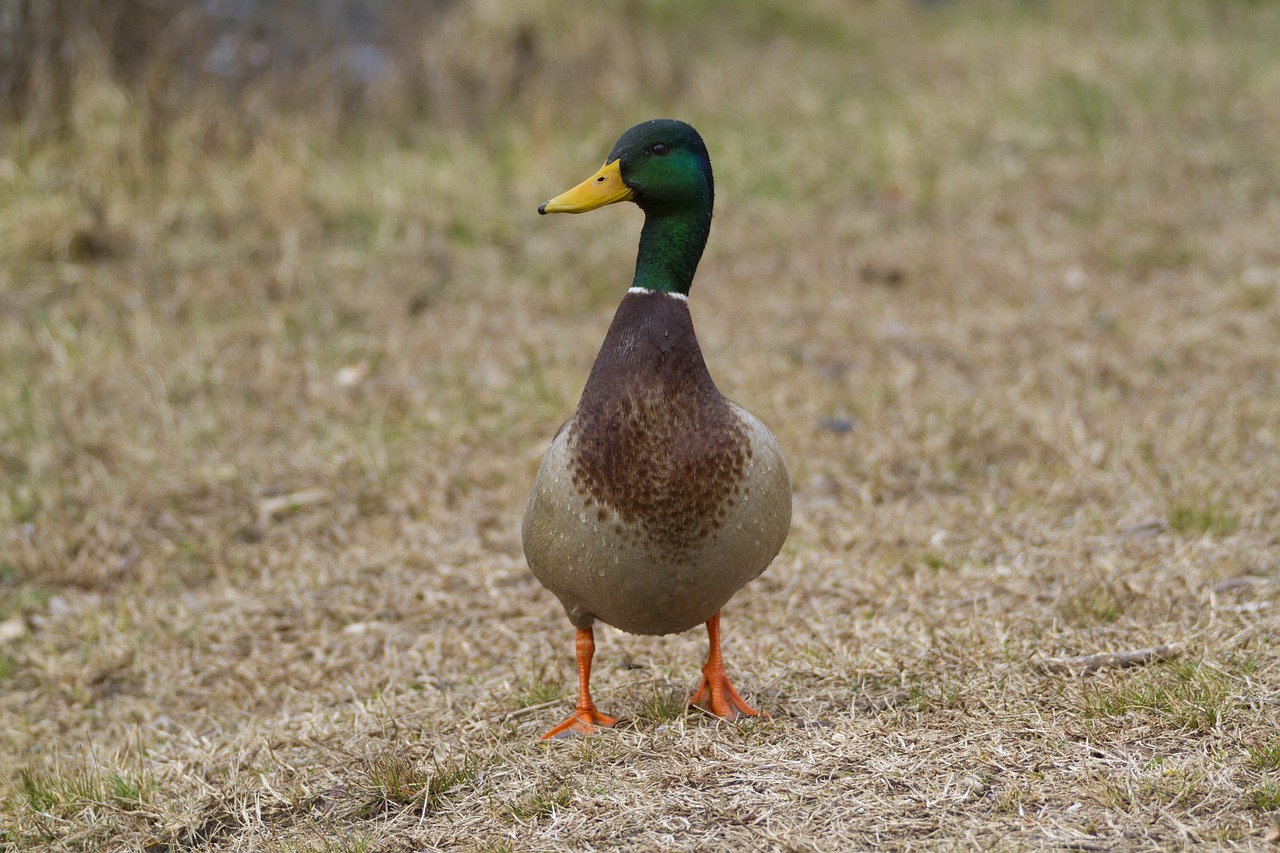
<point x="1002" y="278"/>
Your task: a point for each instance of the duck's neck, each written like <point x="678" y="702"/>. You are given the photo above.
<point x="671" y="245"/>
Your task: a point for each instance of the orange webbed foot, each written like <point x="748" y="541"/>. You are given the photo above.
<point x="716" y="693"/>
<point x="585" y="716"/>
<point x="583" y="722"/>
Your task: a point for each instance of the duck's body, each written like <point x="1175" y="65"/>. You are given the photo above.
<point x="676" y="496"/>
<point x="660" y="498"/>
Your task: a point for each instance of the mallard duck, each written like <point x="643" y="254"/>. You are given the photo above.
<point x="659" y="499"/>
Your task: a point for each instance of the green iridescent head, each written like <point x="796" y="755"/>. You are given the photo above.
<point x="662" y="165"/>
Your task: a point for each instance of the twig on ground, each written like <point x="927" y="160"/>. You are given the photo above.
<point x="273" y="508"/>
<point x="1085" y="664"/>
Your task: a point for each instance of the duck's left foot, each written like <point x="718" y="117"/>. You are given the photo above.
<point x="716" y="693"/>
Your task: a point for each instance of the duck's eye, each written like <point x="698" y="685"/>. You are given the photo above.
<point x="658" y="148"/>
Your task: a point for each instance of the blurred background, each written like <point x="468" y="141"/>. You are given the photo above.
<point x="340" y="61"/>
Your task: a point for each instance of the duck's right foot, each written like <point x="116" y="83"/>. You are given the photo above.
<point x="583" y="722"/>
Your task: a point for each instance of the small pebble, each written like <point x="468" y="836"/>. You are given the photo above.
<point x="12" y="628"/>
<point x="838" y="425"/>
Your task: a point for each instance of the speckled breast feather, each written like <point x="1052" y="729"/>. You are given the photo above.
<point x="654" y="445"/>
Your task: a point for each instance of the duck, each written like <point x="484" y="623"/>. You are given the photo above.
<point x="660" y="498"/>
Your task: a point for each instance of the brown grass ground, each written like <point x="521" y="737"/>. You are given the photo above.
<point x="1004" y="280"/>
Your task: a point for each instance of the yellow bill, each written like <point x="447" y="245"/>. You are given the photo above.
<point x="604" y="187"/>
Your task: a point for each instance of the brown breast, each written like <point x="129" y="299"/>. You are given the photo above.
<point x="653" y="440"/>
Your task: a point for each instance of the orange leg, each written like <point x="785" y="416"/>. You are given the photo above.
<point x="716" y="692"/>
<point x="585" y="716"/>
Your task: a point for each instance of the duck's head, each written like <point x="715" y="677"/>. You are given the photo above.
<point x="662" y="165"/>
